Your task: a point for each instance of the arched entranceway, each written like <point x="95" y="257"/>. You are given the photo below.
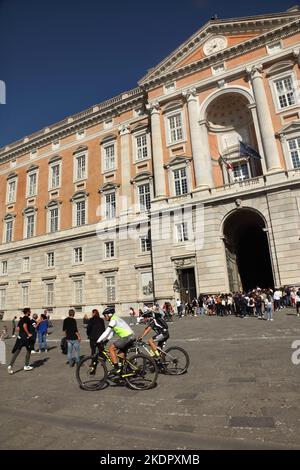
<point x="247" y="251"/>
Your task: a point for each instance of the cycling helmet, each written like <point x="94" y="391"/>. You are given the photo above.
<point x="108" y="311"/>
<point x="147" y="314"/>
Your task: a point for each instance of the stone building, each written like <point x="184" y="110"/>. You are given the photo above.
<point x="147" y="196"/>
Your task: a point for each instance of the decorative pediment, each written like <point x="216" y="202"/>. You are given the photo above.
<point x="53" y="203"/>
<point x="29" y="210"/>
<point x="55" y="158"/>
<point x="280" y="67"/>
<point x="11" y="176"/>
<point x="143" y="175"/>
<point x="9" y="216"/>
<point x="32" y="168"/>
<point x="178" y="160"/>
<point x="79" y="195"/>
<point x="108" y="138"/>
<point x="291" y="128"/>
<point x="239" y="35"/>
<point x="108" y="187"/>
<point x="81" y="148"/>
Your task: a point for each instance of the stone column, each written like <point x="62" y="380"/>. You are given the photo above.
<point x="157" y="150"/>
<point x="199" y="142"/>
<point x="124" y="132"/>
<point x="264" y="119"/>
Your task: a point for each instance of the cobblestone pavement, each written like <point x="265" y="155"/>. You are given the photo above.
<point x="241" y="392"/>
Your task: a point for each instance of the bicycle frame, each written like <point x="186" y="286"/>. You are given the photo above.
<point x="105" y="354"/>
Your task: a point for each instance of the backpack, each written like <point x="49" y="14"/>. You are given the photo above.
<point x="162" y="322"/>
<point x="64" y="345"/>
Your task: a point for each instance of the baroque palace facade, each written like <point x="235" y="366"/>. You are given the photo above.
<point x="129" y="201"/>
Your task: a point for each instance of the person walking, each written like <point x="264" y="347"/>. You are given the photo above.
<point x="94" y="329"/>
<point x="23" y="339"/>
<point x="33" y="331"/>
<point x="73" y="338"/>
<point x="42" y="329"/>
<point x="297" y="299"/>
<point x="14" y="326"/>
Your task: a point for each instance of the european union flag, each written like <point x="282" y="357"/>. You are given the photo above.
<point x="248" y="151"/>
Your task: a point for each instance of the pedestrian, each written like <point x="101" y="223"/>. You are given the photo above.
<point x="42" y="329"/>
<point x="14" y="326"/>
<point x="269" y="307"/>
<point x="297" y="300"/>
<point x="4" y="333"/>
<point x="73" y="338"/>
<point x="94" y="329"/>
<point x="33" y="331"/>
<point x="23" y="339"/>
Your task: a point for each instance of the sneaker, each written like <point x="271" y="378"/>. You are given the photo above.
<point x="33" y="352"/>
<point x="39" y="351"/>
<point x="9" y="370"/>
<point x="13" y="336"/>
<point x="28" y="368"/>
<point x="271" y="319"/>
<point x="46" y="350"/>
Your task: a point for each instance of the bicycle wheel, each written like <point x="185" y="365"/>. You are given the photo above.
<point x="140" y="372"/>
<point x="91" y="374"/>
<point x="175" y="360"/>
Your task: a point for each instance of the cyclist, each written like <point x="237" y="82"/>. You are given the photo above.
<point x="116" y="327"/>
<point x="159" y="326"/>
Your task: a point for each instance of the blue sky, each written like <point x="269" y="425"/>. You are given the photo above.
<point x="62" y="56"/>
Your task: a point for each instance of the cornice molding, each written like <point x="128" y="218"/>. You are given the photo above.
<point x="233" y="51"/>
<point x="94" y="115"/>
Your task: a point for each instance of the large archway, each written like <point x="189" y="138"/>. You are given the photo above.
<point x="247" y="251"/>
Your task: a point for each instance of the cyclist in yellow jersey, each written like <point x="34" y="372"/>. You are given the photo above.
<point x="116" y="327"/>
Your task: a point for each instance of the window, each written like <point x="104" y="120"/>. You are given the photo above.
<point x="50" y="259"/>
<point x="32" y="184"/>
<point x="78" y="291"/>
<point x="80" y="213"/>
<point x="3" y="268"/>
<point x="144" y="197"/>
<point x="53" y="220"/>
<point x="110" y="288"/>
<point x="49" y="294"/>
<point x="26" y="264"/>
<point x="294" y="148"/>
<point x="2" y="298"/>
<point x="109" y="249"/>
<point x="55" y="176"/>
<point x="55" y="144"/>
<point x="216" y="69"/>
<point x="80" y="134"/>
<point x="8" y="231"/>
<point x="78" y="255"/>
<point x="145" y="243"/>
<point x="182" y="232"/>
<point x="30" y="223"/>
<point x="25" y="296"/>
<point x="147" y="284"/>
<point x="240" y="172"/>
<point x="110" y="205"/>
<point x="169" y="88"/>
<point x="273" y="48"/>
<point x="180" y="181"/>
<point x="109" y="157"/>
<point x="11" y="191"/>
<point x="285" y="92"/>
<point x="175" y="128"/>
<point x="141" y="146"/>
<point x="80" y="167"/>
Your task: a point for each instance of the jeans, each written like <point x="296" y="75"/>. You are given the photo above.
<point x="269" y="312"/>
<point x="73" y="345"/>
<point x="42" y="340"/>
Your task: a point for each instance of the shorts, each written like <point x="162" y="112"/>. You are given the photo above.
<point x="122" y="343"/>
<point x="161" y="337"/>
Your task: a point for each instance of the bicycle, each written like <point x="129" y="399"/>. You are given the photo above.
<point x="172" y="361"/>
<point x="139" y="371"/>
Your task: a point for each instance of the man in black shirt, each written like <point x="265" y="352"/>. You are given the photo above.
<point x="73" y="338"/>
<point x="94" y="330"/>
<point x="24" y="339"/>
